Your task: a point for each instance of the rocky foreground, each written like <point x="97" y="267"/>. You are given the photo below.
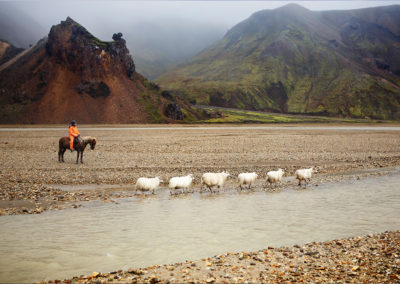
<point x="373" y="258"/>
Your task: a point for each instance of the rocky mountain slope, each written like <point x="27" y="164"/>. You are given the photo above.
<point x="338" y="63"/>
<point x="8" y="51"/>
<point x="73" y="75"/>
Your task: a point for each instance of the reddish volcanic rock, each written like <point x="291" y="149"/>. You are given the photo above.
<point x="73" y="75"/>
<point x="73" y="45"/>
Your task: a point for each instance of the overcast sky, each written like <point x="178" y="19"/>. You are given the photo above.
<point x="109" y="13"/>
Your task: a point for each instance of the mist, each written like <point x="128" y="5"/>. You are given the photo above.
<point x="159" y="34"/>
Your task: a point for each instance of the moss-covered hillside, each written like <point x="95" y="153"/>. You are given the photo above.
<point x="292" y="60"/>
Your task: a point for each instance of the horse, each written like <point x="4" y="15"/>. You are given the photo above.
<point x="63" y="144"/>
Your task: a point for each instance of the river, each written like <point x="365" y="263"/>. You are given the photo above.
<point x="161" y="229"/>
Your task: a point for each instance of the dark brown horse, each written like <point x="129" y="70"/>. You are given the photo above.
<point x="79" y="147"/>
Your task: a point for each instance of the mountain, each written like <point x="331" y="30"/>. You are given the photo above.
<point x="157" y="43"/>
<point x="8" y="51"/>
<point x="73" y="75"/>
<point x="293" y="60"/>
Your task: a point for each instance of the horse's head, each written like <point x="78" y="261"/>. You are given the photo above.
<point x="92" y="143"/>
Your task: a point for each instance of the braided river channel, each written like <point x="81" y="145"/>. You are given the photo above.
<point x="164" y="229"/>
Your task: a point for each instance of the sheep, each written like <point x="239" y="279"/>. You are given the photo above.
<point x="275" y="176"/>
<point x="304" y="174"/>
<point x="214" y="179"/>
<point x="180" y="182"/>
<point x="246" y="178"/>
<point x="148" y="184"/>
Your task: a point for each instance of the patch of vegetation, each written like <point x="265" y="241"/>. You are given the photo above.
<point x="188" y="117"/>
<point x="150" y="85"/>
<point x="243" y="116"/>
<point x="151" y="109"/>
<point x="100" y="43"/>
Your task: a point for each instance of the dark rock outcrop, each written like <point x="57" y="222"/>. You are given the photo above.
<point x="94" y="89"/>
<point x="167" y="95"/>
<point x="174" y="111"/>
<point x="70" y="43"/>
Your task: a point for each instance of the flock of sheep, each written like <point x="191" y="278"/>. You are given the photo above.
<point x="211" y="180"/>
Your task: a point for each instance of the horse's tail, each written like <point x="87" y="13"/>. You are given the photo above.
<point x="60" y="144"/>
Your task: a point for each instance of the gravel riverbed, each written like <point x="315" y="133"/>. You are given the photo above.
<point x="32" y="180"/>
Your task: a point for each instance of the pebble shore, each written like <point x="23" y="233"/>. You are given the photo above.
<point x="373" y="258"/>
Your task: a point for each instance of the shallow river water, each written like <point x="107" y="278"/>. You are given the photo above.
<point x="161" y="229"/>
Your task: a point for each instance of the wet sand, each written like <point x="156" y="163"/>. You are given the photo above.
<point x="32" y="180"/>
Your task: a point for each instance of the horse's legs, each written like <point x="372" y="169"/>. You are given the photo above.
<point x="82" y="157"/>
<point x="62" y="155"/>
<point x="59" y="154"/>
<point x="77" y="157"/>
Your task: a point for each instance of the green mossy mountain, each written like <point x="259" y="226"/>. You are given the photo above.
<point x="293" y="60"/>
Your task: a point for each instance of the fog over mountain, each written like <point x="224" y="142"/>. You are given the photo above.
<point x="157" y="40"/>
<point x="159" y="34"/>
<point x="17" y="27"/>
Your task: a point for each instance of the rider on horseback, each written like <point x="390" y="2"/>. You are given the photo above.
<point x="73" y="135"/>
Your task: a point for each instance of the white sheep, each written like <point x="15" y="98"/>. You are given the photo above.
<point x="180" y="182"/>
<point x="214" y="179"/>
<point x="275" y="176"/>
<point x="147" y="184"/>
<point x="246" y="178"/>
<point x="304" y="174"/>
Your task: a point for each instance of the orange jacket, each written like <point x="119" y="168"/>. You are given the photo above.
<point x="73" y="131"/>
